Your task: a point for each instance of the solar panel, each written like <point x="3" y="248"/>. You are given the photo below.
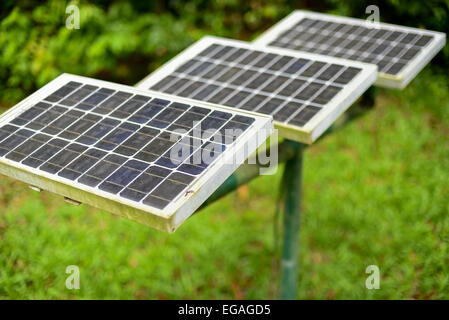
<point x="144" y="155"/>
<point x="303" y="92"/>
<point x="399" y="52"/>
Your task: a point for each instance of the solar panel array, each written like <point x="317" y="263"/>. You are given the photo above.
<point x="293" y="89"/>
<point x="151" y="150"/>
<point x="119" y="141"/>
<point x="391" y="48"/>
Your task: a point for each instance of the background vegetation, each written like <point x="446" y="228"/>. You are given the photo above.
<point x="376" y="192"/>
<point x="125" y="40"/>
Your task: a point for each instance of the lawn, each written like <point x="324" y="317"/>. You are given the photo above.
<point x="375" y="192"/>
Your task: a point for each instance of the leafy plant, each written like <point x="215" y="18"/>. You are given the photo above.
<point x="123" y="41"/>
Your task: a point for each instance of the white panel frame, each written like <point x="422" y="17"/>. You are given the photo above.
<point x="321" y="121"/>
<point x="180" y="208"/>
<point x="399" y="81"/>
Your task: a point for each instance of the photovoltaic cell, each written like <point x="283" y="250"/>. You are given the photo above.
<point x="134" y="146"/>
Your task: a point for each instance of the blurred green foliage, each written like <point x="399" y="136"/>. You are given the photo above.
<point x="125" y="40"/>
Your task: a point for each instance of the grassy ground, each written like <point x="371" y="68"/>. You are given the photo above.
<point x="375" y="192"/>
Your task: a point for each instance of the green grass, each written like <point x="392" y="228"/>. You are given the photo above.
<point x="375" y="192"/>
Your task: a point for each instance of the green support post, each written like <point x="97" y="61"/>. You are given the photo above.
<point x="292" y="180"/>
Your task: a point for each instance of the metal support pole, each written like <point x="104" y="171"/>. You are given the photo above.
<point x="292" y="180"/>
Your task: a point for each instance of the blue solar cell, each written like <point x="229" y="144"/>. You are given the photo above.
<point x="63" y="158"/>
<point x="117" y="136"/>
<point x="14" y="140"/>
<point x="123" y="176"/>
<point x="44" y="153"/>
<point x="63" y="91"/>
<point x="165" y="118"/>
<point x="6" y="131"/>
<point x="46" y="118"/>
<point x="102" y="170"/>
<point x="83" y="163"/>
<point x="146" y="113"/>
<point x="98" y="131"/>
